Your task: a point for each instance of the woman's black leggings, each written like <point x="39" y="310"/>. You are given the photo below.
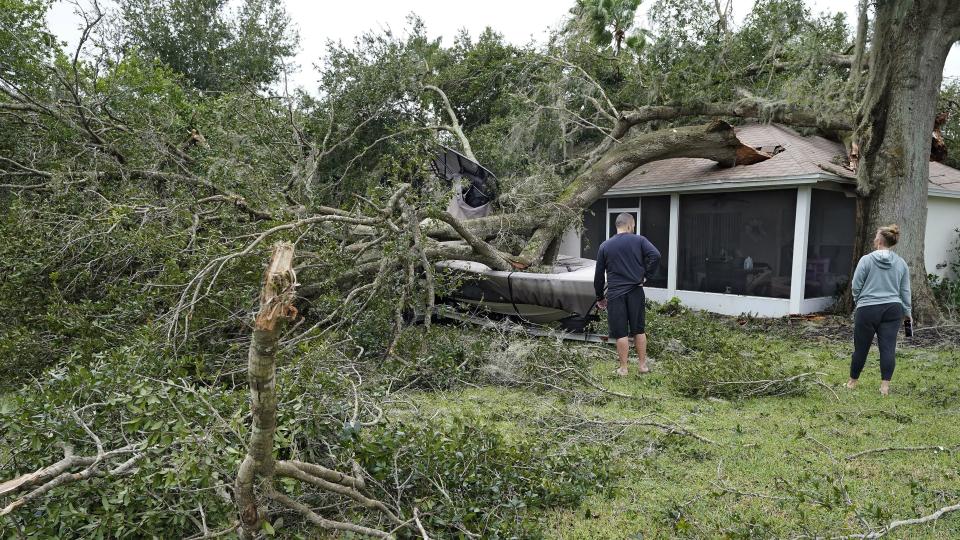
<point x="882" y="320"/>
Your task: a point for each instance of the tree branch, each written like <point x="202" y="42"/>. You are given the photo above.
<point x="276" y="307"/>
<point x="285" y="468"/>
<point x="454" y="123"/>
<point x="900" y="449"/>
<point x="324" y="523"/>
<point x="487" y="253"/>
<point x="56" y="475"/>
<point x="716" y="141"/>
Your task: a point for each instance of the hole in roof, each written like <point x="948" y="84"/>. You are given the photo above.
<point x="771" y="149"/>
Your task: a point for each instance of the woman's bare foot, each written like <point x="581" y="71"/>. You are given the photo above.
<point x="621" y="372"/>
<point x="643" y="368"/>
<point x="851" y="384"/>
<point x="885" y="388"/>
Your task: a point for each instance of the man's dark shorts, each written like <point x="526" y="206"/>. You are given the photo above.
<point x="627" y="312"/>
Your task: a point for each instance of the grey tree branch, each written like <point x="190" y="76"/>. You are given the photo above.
<point x="893" y="525"/>
<point x="324" y="523"/>
<point x="454" y="123"/>
<point x="285" y="468"/>
<point x="58" y="474"/>
<point x="489" y="254"/>
<point x="852" y="457"/>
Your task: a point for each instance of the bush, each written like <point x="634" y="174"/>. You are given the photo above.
<point x="460" y="473"/>
<point x="464" y="474"/>
<point x="947" y="290"/>
<point x="440" y="358"/>
<point x="190" y="459"/>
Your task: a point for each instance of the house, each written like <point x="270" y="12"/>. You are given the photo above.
<point x="773" y="239"/>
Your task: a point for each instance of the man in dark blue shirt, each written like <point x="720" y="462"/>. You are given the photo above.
<point x="624" y="261"/>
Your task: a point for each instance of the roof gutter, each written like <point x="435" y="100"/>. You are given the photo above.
<point x="725" y="185"/>
<point x="771" y="183"/>
<point x="944" y="193"/>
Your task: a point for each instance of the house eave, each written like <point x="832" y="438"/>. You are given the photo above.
<point x="781" y="181"/>
<point x="943" y="193"/>
<point x="720" y="184"/>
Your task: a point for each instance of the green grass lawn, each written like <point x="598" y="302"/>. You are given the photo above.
<point x="780" y="466"/>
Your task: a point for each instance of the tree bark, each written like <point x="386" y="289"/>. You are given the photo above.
<point x="747" y="107"/>
<point x="276" y="307"/>
<point x="858" y="61"/>
<point x="910" y="43"/>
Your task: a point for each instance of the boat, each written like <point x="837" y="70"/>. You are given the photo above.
<point x="563" y="295"/>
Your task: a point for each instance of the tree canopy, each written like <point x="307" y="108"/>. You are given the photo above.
<point x="215" y="46"/>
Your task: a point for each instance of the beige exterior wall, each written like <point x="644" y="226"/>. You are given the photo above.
<point x="943" y="219"/>
<point x="570" y="243"/>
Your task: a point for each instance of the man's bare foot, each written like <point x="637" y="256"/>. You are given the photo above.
<point x="851" y="384"/>
<point x="885" y="388"/>
<point x="621" y="372"/>
<point x="643" y="368"/>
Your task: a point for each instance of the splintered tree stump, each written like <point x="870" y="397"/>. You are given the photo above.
<point x="276" y="308"/>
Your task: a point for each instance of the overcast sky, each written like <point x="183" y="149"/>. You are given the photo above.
<point x="518" y="20"/>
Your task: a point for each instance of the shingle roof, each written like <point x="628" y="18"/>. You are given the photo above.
<point x="802" y="156"/>
<point x="944" y="177"/>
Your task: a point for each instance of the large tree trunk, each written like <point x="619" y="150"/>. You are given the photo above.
<point x="716" y="141"/>
<point x="910" y="43"/>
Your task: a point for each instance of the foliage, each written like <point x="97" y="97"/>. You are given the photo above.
<point x="214" y="47"/>
<point x="438" y="359"/>
<point x="24" y="36"/>
<point x="91" y="262"/>
<point x="463" y="474"/>
<point x="705" y="359"/>
<point x="191" y="433"/>
<point x="121" y="182"/>
<point x="947" y="289"/>
<point x="194" y="434"/>
<point x="950" y="102"/>
<point x="610" y="22"/>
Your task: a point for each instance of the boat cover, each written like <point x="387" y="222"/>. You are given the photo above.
<point x="474" y="186"/>
<point x="566" y="291"/>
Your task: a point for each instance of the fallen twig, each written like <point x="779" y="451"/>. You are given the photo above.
<point x="902" y="523"/>
<point x="901" y="449"/>
<point x="669" y="428"/>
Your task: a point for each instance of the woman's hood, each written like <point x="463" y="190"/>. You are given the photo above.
<point x="883" y="258"/>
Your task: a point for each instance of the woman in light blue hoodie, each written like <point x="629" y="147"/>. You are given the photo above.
<point x="881" y="293"/>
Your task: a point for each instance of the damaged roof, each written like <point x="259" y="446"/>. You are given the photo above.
<point x="809" y="158"/>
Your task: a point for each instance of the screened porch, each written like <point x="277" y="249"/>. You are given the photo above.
<point x="771" y="252"/>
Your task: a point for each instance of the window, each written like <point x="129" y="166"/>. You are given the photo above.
<point x="737" y="242"/>
<point x="655" y="225"/>
<point x="830" y="246"/>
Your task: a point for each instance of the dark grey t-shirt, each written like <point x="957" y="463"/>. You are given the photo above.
<point x="624" y="260"/>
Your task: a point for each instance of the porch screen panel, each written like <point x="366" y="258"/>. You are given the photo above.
<point x="623" y="202"/>
<point x="655" y="225"/>
<point x="830" y="248"/>
<point x="737" y="242"/>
